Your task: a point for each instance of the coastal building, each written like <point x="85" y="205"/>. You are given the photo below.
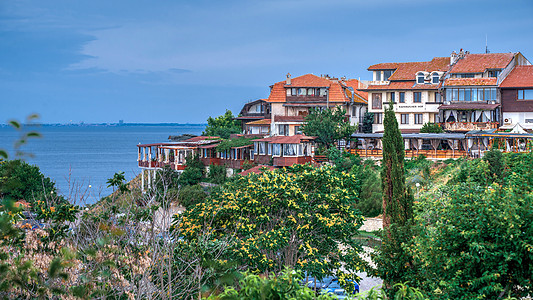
<point x="472" y="100"/>
<point x="291" y="99"/>
<point x="254" y="117"/>
<point x="517" y="98"/>
<point x="284" y="151"/>
<point x="412" y="87"/>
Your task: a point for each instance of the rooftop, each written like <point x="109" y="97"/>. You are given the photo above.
<point x="520" y="76"/>
<point x="478" y="63"/>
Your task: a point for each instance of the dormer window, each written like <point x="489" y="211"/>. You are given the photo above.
<point x="387" y="74"/>
<point x="420" y="78"/>
<point x="435" y="78"/>
<point x="494" y="73"/>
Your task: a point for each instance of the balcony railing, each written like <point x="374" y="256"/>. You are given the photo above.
<point x="468" y="126"/>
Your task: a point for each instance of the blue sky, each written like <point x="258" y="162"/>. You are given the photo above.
<point x="182" y="61"/>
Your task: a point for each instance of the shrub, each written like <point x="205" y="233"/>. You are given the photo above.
<point x="190" y="195"/>
<point x="217" y="174"/>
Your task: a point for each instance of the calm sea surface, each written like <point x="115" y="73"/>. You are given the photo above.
<point x="78" y="156"/>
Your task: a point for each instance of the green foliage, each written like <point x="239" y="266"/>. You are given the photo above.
<point x="371" y="203"/>
<point x="431" y="128"/>
<point x="494" y="158"/>
<point x="343" y="160"/>
<point x="328" y="125"/>
<point x="285" y="286"/>
<point x="194" y="171"/>
<point x="294" y="217"/>
<point x="222" y="126"/>
<point x="20" y="180"/>
<point x="217" y="174"/>
<point x="118" y="181"/>
<point x="393" y="261"/>
<point x="246" y="165"/>
<point x="226" y="145"/>
<point x="24" y="136"/>
<point x="190" y="195"/>
<point x="368" y="120"/>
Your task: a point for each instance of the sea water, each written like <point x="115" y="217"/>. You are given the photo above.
<point x="80" y="159"/>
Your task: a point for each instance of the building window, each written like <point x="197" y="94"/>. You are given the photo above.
<point x="378" y="118"/>
<point x="477" y="94"/>
<point x="464" y="75"/>
<point x="290" y="149"/>
<point x="435" y="78"/>
<point x="494" y="73"/>
<point x="323" y="92"/>
<point x="525" y="94"/>
<point x="294" y="92"/>
<point x="420" y="78"/>
<point x="283" y="129"/>
<point x="387" y="74"/>
<point x="392" y="97"/>
<point x="419" y="119"/>
<point x="417" y="97"/>
<point x="354" y="110"/>
<point x="378" y="75"/>
<point x="297" y="130"/>
<point x="376" y="101"/>
<point x="302" y="92"/>
<point x="437" y="97"/>
<point x="310" y="92"/>
<point x="402" y="97"/>
<point x="404" y="118"/>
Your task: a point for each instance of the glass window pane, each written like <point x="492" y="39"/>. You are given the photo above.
<point x="487" y="94"/>
<point x="449" y="95"/>
<point x="474" y="94"/>
<point x="493" y="94"/>
<point x="455" y="94"/>
<point x="480" y="95"/>
<point x="467" y="94"/>
<point x="528" y="94"/>
<point x="461" y="95"/>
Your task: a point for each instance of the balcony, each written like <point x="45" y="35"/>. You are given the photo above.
<point x="469" y="126"/>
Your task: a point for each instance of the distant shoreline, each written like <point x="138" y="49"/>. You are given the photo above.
<point x="107" y="124"/>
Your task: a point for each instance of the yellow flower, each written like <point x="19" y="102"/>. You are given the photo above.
<point x="52" y="209"/>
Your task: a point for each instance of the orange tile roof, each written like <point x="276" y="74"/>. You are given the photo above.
<point x="257" y="170"/>
<point x="384" y="66"/>
<point x="470" y="81"/>
<point x="356" y="85"/>
<point x="288" y="118"/>
<point x="260" y="122"/>
<point x="278" y="91"/>
<point x="478" y="63"/>
<point x="407" y="71"/>
<point x="309" y="80"/>
<point x="520" y="76"/>
<point x="395" y="85"/>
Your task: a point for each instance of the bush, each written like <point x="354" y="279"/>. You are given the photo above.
<point x="217" y="174"/>
<point x="431" y="128"/>
<point x="190" y="195"/>
<point x="343" y="160"/>
<point x="194" y="171"/>
<point x="20" y="180"/>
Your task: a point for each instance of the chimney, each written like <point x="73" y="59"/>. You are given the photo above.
<point x="453" y="58"/>
<point x="288" y="82"/>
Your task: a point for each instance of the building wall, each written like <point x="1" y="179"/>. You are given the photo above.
<point x="429" y="110"/>
<point x="510" y="102"/>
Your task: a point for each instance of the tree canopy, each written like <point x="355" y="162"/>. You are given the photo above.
<point x="222" y="126"/>
<point x="328" y="125"/>
<point x="20" y="180"/>
<point x="431" y="128"/>
<point x="295" y="217"/>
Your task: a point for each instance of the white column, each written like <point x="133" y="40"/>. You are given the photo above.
<point x="142" y="180"/>
<point x="149" y="180"/>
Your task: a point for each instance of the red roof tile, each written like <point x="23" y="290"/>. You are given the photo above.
<point x="260" y="122"/>
<point x="384" y="66"/>
<point x="308" y="80"/>
<point x="278" y="92"/>
<point x="394" y="85"/>
<point x="470" y="81"/>
<point x="407" y="71"/>
<point x="357" y="85"/>
<point x="520" y="76"/>
<point x="293" y="139"/>
<point x="257" y="170"/>
<point x="478" y="63"/>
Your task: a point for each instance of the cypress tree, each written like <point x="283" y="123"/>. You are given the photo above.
<point x="394" y="262"/>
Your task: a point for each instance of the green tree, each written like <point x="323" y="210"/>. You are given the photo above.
<point x="368" y="120"/>
<point x="328" y="125"/>
<point x="118" y="181"/>
<point x="20" y="180"/>
<point x="217" y="174"/>
<point x="285" y="286"/>
<point x="222" y="126"/>
<point x="295" y="217"/>
<point x="194" y="171"/>
<point x="494" y="158"/>
<point x="394" y="262"/>
<point x="431" y="128"/>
